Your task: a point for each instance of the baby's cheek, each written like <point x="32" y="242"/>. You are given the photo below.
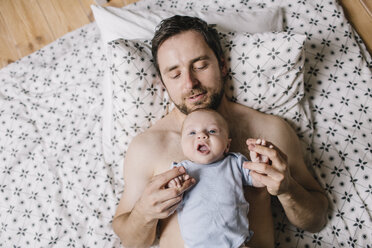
<point x="187" y="149"/>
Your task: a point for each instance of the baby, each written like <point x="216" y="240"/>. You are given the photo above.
<point x="214" y="212"/>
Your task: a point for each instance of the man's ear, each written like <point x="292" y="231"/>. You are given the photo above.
<point x="223" y="67"/>
<point x="158" y="79"/>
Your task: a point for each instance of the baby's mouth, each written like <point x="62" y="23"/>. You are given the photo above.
<point x="202" y="148"/>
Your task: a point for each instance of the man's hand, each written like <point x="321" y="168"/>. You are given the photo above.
<point x="158" y="201"/>
<point x="274" y="173"/>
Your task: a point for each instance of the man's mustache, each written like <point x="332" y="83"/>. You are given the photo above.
<point x="195" y="92"/>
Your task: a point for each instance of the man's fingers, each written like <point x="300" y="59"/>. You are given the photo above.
<point x="161" y="180"/>
<point x="282" y="154"/>
<point x="274" y="154"/>
<point x="170" y="193"/>
<point x="263" y="142"/>
<point x="264" y="169"/>
<point x="259" y="167"/>
<point x="169" y="207"/>
<point x="187" y="184"/>
<point x="165" y="205"/>
<point x="263" y="179"/>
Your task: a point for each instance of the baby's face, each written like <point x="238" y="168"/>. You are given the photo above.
<point x="205" y="137"/>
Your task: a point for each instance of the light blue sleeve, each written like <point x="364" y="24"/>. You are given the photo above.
<point x="175" y="164"/>
<point x="246" y="175"/>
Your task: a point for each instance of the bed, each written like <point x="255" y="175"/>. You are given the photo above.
<point x="69" y="111"/>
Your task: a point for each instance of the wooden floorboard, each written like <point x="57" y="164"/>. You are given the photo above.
<point x="359" y="14"/>
<point x="8" y="52"/>
<point x="28" y="25"/>
<point x="63" y="17"/>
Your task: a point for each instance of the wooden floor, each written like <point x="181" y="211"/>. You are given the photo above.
<point x="28" y="25"/>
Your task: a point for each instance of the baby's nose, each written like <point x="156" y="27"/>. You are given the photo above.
<point x="202" y="135"/>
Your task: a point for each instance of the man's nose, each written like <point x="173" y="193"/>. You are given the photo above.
<point x="190" y="80"/>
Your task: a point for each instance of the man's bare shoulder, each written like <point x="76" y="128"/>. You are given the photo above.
<point x="268" y="126"/>
<point x="281" y="130"/>
<point x="278" y="130"/>
<point x="274" y="121"/>
<point x="150" y="140"/>
<point x="259" y="119"/>
<point x="158" y="143"/>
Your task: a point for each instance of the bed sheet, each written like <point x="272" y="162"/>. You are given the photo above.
<point x="57" y="190"/>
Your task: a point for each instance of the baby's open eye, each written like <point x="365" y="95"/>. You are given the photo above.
<point x="192" y="133"/>
<point x="212" y="131"/>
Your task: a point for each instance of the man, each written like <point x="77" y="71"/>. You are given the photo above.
<point x="190" y="63"/>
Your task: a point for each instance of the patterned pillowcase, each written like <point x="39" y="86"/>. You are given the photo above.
<point x="265" y="70"/>
<point x="265" y="73"/>
<point x="138" y="97"/>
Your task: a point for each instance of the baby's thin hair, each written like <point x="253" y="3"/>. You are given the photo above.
<point x="212" y="111"/>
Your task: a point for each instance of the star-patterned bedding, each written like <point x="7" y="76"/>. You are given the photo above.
<point x="57" y="188"/>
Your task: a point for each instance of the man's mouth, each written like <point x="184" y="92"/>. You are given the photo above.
<point x="196" y="97"/>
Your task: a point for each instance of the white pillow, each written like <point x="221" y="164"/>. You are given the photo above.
<point x="265" y="73"/>
<point x="115" y="23"/>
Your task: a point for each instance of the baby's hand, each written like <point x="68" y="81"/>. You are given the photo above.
<point x="256" y="157"/>
<point x="178" y="181"/>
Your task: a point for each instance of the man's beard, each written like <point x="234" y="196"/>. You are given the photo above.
<point x="214" y="100"/>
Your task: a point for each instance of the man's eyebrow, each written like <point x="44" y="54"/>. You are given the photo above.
<point x="171" y="68"/>
<point x="204" y="57"/>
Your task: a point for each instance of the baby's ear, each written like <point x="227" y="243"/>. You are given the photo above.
<point x="228" y="146"/>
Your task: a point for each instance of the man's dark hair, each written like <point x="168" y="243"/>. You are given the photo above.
<point x="178" y="24"/>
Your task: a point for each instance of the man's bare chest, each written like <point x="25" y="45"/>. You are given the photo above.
<point x="169" y="152"/>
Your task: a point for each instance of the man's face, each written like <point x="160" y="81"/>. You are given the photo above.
<point x="190" y="72"/>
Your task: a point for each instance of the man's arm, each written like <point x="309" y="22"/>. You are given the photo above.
<point x="302" y="198"/>
<point x="145" y="199"/>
